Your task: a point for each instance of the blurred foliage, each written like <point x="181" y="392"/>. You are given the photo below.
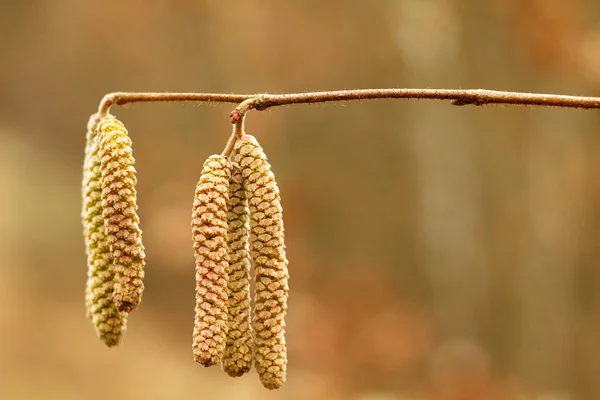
<point x="435" y="252"/>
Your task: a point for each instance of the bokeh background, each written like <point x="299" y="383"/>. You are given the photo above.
<point x="436" y="252"/>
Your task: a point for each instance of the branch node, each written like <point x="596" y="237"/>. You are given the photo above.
<point x="468" y="101"/>
<point x="238" y="113"/>
<point x="106" y="102"/>
<point x="260" y="102"/>
<point x="235" y="116"/>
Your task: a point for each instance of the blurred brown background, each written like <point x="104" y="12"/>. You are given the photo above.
<point x="436" y="252"/>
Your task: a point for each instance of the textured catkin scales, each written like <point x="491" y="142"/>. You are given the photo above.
<point x="109" y="322"/>
<point x="209" y="233"/>
<point x="89" y="189"/>
<point x="237" y="358"/>
<point x="119" y="206"/>
<point x="270" y="263"/>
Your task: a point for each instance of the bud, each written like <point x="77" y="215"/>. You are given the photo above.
<point x="120" y="213"/>
<point x="209" y="233"/>
<point x="237" y="359"/>
<point x="109" y="322"/>
<point x="270" y="263"/>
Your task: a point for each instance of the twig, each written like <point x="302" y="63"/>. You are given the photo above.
<point x="238" y="131"/>
<point x="122" y="98"/>
<point x="459" y="97"/>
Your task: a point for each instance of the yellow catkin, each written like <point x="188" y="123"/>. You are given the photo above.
<point x="209" y="233"/>
<point x="119" y="206"/>
<point x="237" y="358"/>
<point x="270" y="263"/>
<point x="109" y="322"/>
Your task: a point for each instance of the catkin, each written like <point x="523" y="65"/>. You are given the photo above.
<point x="109" y="322"/>
<point x="209" y="233"/>
<point x="237" y="358"/>
<point x="119" y="206"/>
<point x="270" y="263"/>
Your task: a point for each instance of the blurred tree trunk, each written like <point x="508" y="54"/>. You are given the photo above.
<point x="449" y="224"/>
<point x="549" y="253"/>
<point x="450" y="229"/>
<point x="587" y="328"/>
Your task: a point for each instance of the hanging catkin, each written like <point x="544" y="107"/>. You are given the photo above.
<point x="209" y="233"/>
<point x="237" y="358"/>
<point x="109" y="322"/>
<point x="119" y="206"/>
<point x="270" y="263"/>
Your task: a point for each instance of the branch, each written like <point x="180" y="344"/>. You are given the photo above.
<point x="458" y="97"/>
<point x="122" y="98"/>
